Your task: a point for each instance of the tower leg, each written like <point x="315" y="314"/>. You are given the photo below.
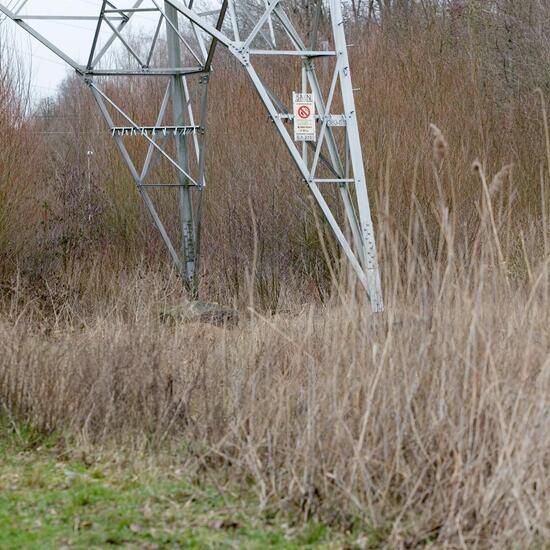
<point x="363" y="255"/>
<point x="188" y="237"/>
<point x="356" y="158"/>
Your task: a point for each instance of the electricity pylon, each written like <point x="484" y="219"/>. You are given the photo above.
<point x="249" y="30"/>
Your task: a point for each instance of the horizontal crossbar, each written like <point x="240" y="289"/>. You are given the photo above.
<point x="298" y="53"/>
<point x="66" y="17"/>
<point x="334" y="180"/>
<point x="332" y="120"/>
<point x="154" y="130"/>
<point x="144" y="71"/>
<point x="167" y="185"/>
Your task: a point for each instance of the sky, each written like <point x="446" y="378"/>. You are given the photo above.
<point x="74" y="37"/>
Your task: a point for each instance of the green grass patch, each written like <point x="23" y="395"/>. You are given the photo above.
<point x="48" y="501"/>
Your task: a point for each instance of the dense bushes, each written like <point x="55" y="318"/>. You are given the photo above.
<point x="458" y="67"/>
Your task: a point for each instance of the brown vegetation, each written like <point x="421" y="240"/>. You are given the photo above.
<point x="429" y="423"/>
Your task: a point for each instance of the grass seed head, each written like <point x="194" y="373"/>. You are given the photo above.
<point x="477" y="168"/>
<point x="500" y="178"/>
<point x="440" y="146"/>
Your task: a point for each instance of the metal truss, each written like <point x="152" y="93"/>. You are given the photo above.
<point x="249" y="30"/>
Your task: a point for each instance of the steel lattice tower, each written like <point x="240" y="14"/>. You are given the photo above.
<point x="249" y="29"/>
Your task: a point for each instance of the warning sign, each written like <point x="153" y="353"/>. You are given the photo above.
<point x="304" y="117"/>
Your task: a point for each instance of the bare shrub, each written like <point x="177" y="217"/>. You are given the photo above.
<point x="15" y="143"/>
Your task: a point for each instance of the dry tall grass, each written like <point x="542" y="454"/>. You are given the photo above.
<point x="430" y="423"/>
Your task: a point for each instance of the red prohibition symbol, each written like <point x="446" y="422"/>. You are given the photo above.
<point x="304" y="112"/>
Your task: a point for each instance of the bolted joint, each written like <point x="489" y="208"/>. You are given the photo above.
<point x="241" y="52"/>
